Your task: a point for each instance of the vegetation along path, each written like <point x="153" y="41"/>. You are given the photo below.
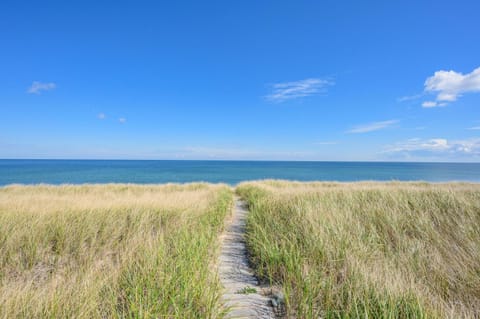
<point x="242" y="290"/>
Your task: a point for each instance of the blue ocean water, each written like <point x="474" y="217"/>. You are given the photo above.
<point x="231" y="172"/>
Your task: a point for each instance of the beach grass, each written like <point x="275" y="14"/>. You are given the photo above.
<point x="336" y="250"/>
<point x="368" y="250"/>
<point x="111" y="251"/>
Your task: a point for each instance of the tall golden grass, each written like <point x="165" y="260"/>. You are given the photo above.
<point x="368" y="250"/>
<point x="110" y="251"/>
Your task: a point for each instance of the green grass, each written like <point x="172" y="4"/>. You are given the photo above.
<point x="358" y="250"/>
<point x="111" y="251"/>
<point x="368" y="250"/>
<point x="247" y="290"/>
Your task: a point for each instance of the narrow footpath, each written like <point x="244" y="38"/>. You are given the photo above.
<point x="241" y="289"/>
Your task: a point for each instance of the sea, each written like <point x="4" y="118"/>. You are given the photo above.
<point x="21" y="171"/>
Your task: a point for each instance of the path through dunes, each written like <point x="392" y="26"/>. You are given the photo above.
<point x="241" y="294"/>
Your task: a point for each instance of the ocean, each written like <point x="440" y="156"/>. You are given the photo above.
<point x="230" y="172"/>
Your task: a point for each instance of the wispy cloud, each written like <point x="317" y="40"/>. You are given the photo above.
<point x="474" y="128"/>
<point x="450" y="85"/>
<point x="437" y="146"/>
<point x="297" y="89"/>
<point x="428" y="104"/>
<point x="374" y="126"/>
<point x="326" y="143"/>
<point x="101" y="116"/>
<point x="410" y="97"/>
<point x="197" y="152"/>
<point x="122" y="120"/>
<point x="38" y="87"/>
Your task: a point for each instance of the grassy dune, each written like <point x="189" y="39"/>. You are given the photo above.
<point x="359" y="250"/>
<point x="110" y="251"/>
<point x="368" y="250"/>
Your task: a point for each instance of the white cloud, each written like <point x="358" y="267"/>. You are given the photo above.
<point x="429" y="104"/>
<point x="374" y="126"/>
<point x="450" y="85"/>
<point x="297" y="89"/>
<point x="475" y="128"/>
<point x="38" y="87"/>
<point x="101" y="116"/>
<point x="122" y="120"/>
<point x="326" y="143"/>
<point x="437" y="146"/>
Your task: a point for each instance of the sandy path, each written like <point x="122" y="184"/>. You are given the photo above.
<point x="236" y="275"/>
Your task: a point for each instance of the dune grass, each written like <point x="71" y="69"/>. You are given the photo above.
<point x="110" y="251"/>
<point x="368" y="250"/>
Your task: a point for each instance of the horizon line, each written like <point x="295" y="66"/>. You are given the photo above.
<point x="237" y="160"/>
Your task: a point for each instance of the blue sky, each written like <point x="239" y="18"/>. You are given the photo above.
<point x="282" y="80"/>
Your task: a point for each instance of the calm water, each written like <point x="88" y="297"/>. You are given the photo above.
<point x="231" y="172"/>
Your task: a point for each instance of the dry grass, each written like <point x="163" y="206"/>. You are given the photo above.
<point x="110" y="251"/>
<point x="368" y="250"/>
